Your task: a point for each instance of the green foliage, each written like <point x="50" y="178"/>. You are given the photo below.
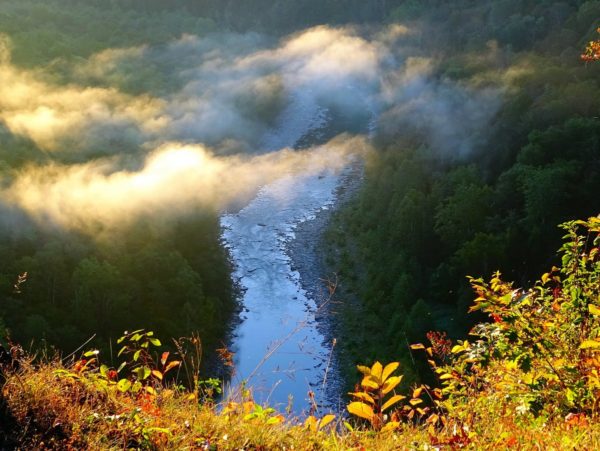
<point x="427" y="215"/>
<point x="175" y="280"/>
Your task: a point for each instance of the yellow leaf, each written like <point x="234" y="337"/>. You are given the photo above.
<point x="157" y="374"/>
<point x="376" y="370"/>
<point x="590" y="344"/>
<point x="191" y="397"/>
<point x="364" y="396"/>
<point x="417" y="392"/>
<point x="446" y="376"/>
<point x="545" y="278"/>
<point x="150" y="390"/>
<point x="360" y="409"/>
<point x="456" y="349"/>
<point x="416" y="402"/>
<point x="310" y="423"/>
<point x="326" y="420"/>
<point x="369" y="383"/>
<point x="391" y="383"/>
<point x="391" y="426"/>
<point x="417" y="346"/>
<point x="594" y="310"/>
<point x="390" y="402"/>
<point x="388" y="370"/>
<point x="364" y="369"/>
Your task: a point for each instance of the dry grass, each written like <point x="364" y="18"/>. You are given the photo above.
<point x="58" y="412"/>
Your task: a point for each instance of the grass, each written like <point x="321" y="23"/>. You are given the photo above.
<point x="53" y="411"/>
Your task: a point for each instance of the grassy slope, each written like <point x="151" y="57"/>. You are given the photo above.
<point x="65" y="413"/>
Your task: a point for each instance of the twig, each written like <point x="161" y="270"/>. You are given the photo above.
<point x="79" y="348"/>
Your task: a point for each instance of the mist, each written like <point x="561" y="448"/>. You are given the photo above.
<point x="219" y="124"/>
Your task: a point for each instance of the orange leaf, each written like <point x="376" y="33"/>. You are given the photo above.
<point x="164" y="357"/>
<point x="391" y="426"/>
<point x="157" y="374"/>
<point x="171" y="365"/>
<point x="369" y="382"/>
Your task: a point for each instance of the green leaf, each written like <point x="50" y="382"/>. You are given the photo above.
<point x="124" y="385"/>
<point x="456" y="349"/>
<point x="91" y="353"/>
<point x="143" y="372"/>
<point x="104" y="370"/>
<point x="155" y="341"/>
<point x="136" y="356"/>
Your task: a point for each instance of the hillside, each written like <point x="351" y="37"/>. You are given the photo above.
<point x="528" y="379"/>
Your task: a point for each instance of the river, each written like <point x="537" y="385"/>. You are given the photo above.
<point x="280" y="351"/>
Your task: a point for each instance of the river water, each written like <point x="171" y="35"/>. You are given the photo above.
<point x="279" y="350"/>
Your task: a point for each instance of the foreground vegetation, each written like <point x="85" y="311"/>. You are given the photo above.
<point x="529" y="378"/>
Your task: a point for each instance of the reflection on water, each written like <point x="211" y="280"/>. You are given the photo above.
<point x="277" y="344"/>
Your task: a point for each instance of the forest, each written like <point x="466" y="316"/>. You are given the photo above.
<point x="432" y="212"/>
<point x="495" y="143"/>
<point x="101" y="279"/>
<point x="134" y="133"/>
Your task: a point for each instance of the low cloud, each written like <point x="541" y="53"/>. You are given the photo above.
<point x="173" y="180"/>
<point x="206" y="121"/>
